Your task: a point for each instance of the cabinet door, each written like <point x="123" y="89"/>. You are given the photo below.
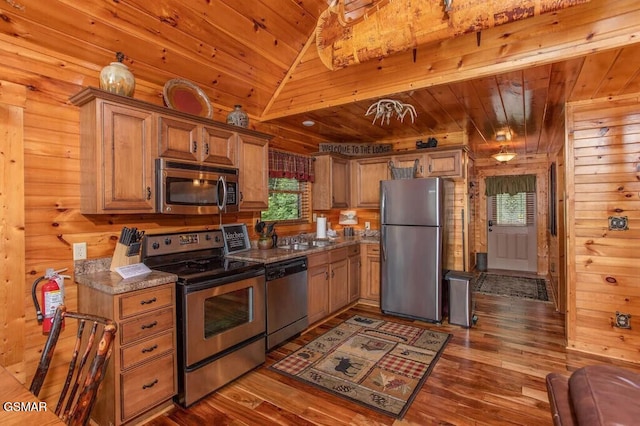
<point x="220" y="146"/>
<point x="445" y="163"/>
<point x="367" y="174"/>
<point x="354" y="277"/>
<point x="409" y="160"/>
<point x="338" y="285"/>
<point x="318" y="292"/>
<point x="178" y="139"/>
<point x="370" y="285"/>
<point x="123" y="163"/>
<point x="331" y="188"/>
<point x="254" y="172"/>
<point x="339" y="183"/>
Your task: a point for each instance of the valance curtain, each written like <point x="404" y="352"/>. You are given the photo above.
<point x="287" y="165"/>
<point x="510" y="184"/>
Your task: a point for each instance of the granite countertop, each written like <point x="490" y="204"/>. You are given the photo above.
<point x="278" y="254"/>
<point x="95" y="273"/>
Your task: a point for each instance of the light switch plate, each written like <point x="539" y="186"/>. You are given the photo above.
<point x="367" y="225"/>
<point x="618" y="223"/>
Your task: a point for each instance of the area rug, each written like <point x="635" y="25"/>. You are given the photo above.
<point x="503" y="285"/>
<point x="376" y="363"/>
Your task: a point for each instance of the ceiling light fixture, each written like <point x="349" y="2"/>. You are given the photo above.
<point x="308" y="123"/>
<point x="503" y="156"/>
<point x="385" y="108"/>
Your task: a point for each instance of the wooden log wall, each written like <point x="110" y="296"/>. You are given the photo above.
<point x="603" y="181"/>
<point x="43" y="128"/>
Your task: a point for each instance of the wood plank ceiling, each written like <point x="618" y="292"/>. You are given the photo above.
<point x="262" y="54"/>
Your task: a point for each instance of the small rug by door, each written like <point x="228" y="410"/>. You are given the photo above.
<point x="504" y="285"/>
<point x="377" y="363"/>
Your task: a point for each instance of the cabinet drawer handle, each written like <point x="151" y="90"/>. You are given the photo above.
<point x="151" y="349"/>
<point x="150" y="385"/>
<point x="145" y="326"/>
<point x="333" y="274"/>
<point x="148" y="301"/>
<point x="206" y="149"/>
<point x="326" y="275"/>
<point x="148" y="192"/>
<point x="195" y="146"/>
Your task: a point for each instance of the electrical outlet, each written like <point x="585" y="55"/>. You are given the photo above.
<point x="367" y="225"/>
<point x="79" y="251"/>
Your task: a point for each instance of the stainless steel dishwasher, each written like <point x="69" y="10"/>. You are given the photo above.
<point x="286" y="283"/>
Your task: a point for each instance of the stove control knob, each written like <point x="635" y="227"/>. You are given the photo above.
<point x="167" y="241"/>
<point x="217" y="239"/>
<point x="156" y="245"/>
<point x="208" y="237"/>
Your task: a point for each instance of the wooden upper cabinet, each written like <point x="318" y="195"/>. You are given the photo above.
<point x="116" y="159"/>
<point x="331" y="187"/>
<point x="409" y="161"/>
<point x="445" y="163"/>
<point x="121" y="137"/>
<point x="254" y="172"/>
<point x="189" y="140"/>
<point x="365" y="180"/>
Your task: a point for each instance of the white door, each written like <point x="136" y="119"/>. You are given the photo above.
<point x="512" y="232"/>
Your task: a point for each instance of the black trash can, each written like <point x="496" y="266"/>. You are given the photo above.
<point x="460" y="303"/>
<point x="481" y="262"/>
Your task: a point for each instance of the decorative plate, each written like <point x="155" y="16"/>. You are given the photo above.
<point x="185" y="96"/>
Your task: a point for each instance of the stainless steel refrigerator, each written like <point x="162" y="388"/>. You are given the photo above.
<point x="412" y="216"/>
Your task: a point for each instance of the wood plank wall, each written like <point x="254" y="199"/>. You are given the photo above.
<point x="603" y="180"/>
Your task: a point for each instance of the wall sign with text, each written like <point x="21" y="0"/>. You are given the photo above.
<point x="236" y="238"/>
<point x="356" y="148"/>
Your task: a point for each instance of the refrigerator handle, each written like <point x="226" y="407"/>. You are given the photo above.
<point x="383" y="244"/>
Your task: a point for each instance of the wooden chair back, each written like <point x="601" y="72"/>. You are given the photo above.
<point x="73" y="407"/>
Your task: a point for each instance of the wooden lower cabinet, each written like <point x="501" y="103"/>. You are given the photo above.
<point x="338" y="279"/>
<point x="353" y="262"/>
<point x="318" y="286"/>
<point x="141" y="375"/>
<point x="370" y="283"/>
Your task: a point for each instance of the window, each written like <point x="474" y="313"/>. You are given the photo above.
<point x="513" y="210"/>
<point x="288" y="200"/>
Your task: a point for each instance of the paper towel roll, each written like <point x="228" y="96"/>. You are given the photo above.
<point x="321" y="230"/>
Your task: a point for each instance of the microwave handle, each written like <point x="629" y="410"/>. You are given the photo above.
<point x="222" y="205"/>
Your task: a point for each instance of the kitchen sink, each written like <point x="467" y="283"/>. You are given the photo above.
<point x="296" y="246"/>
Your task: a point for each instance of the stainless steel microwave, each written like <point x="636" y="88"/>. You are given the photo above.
<point x="192" y="188"/>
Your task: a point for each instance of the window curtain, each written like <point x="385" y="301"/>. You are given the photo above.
<point x="287" y="165"/>
<point x="510" y="184"/>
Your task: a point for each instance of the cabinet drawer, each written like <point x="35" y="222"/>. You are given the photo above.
<point x="337" y="254"/>
<point x="373" y="250"/>
<point x="147" y="349"/>
<point x="146" y="325"/>
<point x="321" y="258"/>
<point x="144" y="301"/>
<point x="147" y="385"/>
<point x="353" y="250"/>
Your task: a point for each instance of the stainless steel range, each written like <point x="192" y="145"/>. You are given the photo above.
<point x="220" y="310"/>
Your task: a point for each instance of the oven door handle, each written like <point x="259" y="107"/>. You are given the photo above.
<point x="222" y="205"/>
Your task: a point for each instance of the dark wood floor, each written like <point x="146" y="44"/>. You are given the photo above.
<point x="492" y="374"/>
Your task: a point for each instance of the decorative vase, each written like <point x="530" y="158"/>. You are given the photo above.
<point x="238" y="117"/>
<point x="116" y="78"/>
<point x="265" y="243"/>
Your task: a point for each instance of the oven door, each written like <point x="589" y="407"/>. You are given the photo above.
<point x="222" y="316"/>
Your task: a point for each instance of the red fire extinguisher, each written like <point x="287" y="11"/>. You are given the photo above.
<point x="52" y="293"/>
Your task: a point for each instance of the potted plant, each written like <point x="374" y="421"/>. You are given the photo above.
<point x="267" y="234"/>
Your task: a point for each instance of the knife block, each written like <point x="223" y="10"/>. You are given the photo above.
<point x="120" y="257"/>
